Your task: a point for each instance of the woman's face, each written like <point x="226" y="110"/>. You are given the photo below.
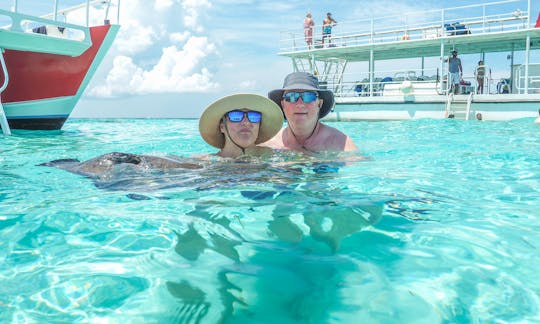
<point x="243" y="132"/>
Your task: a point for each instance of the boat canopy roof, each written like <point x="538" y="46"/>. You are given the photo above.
<point x="465" y="44"/>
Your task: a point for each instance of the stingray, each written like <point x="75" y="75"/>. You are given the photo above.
<point x="106" y="162"/>
<point x="146" y="173"/>
<point x="126" y="171"/>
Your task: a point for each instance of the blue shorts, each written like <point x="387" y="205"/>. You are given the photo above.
<point x="327" y="30"/>
<point x="455" y="78"/>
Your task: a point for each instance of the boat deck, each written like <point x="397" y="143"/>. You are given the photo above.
<point x="496" y="41"/>
<point x="396" y="37"/>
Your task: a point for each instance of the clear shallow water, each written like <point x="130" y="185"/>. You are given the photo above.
<point x="441" y="224"/>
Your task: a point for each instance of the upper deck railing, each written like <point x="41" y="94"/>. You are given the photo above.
<point x="473" y="19"/>
<point x="96" y="12"/>
<point x="61" y="32"/>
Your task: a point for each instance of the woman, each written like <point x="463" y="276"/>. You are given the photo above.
<point x="308" y="30"/>
<point x="480" y="76"/>
<point x="236" y="124"/>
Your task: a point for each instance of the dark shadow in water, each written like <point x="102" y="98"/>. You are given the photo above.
<point x="295" y="272"/>
<point x="193" y="300"/>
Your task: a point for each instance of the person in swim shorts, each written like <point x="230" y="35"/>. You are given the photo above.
<point x="327" y="25"/>
<point x="455" y="72"/>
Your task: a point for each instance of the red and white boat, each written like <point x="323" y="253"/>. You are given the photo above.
<point x="47" y="62"/>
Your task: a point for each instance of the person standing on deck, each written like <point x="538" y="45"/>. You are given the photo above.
<point x="304" y="103"/>
<point x="480" y="73"/>
<point x="455" y="72"/>
<point x="308" y="30"/>
<point x="328" y="23"/>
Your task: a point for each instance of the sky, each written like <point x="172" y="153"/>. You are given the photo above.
<point x="172" y="58"/>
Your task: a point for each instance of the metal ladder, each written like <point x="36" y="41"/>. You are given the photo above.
<point x="458" y="107"/>
<point x="3" y="119"/>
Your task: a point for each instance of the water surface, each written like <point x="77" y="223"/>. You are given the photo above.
<point x="439" y="225"/>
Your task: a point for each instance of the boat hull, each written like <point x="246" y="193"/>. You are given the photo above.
<point x="492" y="107"/>
<point x="44" y="88"/>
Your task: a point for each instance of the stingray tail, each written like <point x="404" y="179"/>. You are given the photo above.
<point x="60" y="162"/>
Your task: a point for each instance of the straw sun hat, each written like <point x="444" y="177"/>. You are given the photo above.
<point x="271" y="122"/>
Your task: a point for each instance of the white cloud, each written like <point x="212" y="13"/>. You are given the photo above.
<point x="138" y="39"/>
<point x="161" y="5"/>
<point x="192" y="10"/>
<point x="120" y="80"/>
<point x="248" y="84"/>
<point x="177" y="71"/>
<point x="154" y="54"/>
<point x="179" y="37"/>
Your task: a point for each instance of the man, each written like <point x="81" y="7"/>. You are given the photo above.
<point x="455" y="70"/>
<point x="327" y="25"/>
<point x="304" y="104"/>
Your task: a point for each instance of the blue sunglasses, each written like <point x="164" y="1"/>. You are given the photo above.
<point x="236" y="116"/>
<point x="307" y="96"/>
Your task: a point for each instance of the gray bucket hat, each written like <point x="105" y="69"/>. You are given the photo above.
<point x="304" y="81"/>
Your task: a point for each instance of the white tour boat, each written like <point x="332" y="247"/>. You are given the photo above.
<point x="347" y="64"/>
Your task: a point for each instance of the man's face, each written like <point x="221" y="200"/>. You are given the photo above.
<point x="301" y="112"/>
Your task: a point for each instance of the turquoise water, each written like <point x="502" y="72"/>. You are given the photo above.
<point x="440" y="225"/>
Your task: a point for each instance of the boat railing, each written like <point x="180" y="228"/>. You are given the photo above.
<point x="385" y="83"/>
<point x="55" y="33"/>
<point x="405" y="82"/>
<point x="449" y="22"/>
<point x="21" y="23"/>
<point x="522" y="84"/>
<point x="429" y="84"/>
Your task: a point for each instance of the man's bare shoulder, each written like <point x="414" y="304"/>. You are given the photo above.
<point x="336" y="139"/>
<point x="329" y="132"/>
<point x="275" y="142"/>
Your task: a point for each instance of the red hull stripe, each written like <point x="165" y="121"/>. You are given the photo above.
<point x="34" y="76"/>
